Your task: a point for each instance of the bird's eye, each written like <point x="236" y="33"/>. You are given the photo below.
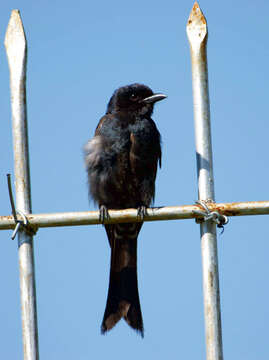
<point x="134" y="97"/>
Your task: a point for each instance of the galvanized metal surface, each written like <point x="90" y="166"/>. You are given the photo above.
<point x="153" y="214"/>
<point x="16" y="48"/>
<point x="197" y="35"/>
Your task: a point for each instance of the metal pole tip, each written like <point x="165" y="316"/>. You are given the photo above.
<point x="196" y="26"/>
<point x="15" y="33"/>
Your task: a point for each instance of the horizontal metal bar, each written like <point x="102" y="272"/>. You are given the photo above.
<point x="130" y="215"/>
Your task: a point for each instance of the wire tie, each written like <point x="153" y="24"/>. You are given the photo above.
<point x="207" y="215"/>
<point x="20" y="224"/>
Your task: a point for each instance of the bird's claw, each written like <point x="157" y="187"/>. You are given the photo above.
<point x="142" y="212"/>
<point x="103" y="214"/>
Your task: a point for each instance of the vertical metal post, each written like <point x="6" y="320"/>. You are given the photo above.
<point x="197" y="35"/>
<point x="16" y="48"/>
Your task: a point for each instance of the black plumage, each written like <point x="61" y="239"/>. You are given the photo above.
<point x="121" y="161"/>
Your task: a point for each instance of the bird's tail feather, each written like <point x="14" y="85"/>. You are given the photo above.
<point x="123" y="297"/>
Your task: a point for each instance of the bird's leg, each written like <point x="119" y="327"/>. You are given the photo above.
<point x="142" y="211"/>
<point x="103" y="213"/>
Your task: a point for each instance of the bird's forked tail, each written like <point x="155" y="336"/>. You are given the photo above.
<point x="123" y="297"/>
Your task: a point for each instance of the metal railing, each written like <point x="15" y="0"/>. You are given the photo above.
<point x="206" y="211"/>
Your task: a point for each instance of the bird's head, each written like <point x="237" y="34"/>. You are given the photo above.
<point x="136" y="98"/>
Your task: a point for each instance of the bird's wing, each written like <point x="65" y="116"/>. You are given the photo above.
<point x="145" y="153"/>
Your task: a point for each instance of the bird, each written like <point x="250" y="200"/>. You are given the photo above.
<point x="121" y="162"/>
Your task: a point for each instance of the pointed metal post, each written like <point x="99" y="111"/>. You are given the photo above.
<point x="16" y="47"/>
<point x="197" y="35"/>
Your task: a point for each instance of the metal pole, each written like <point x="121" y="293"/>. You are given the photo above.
<point x="130" y="215"/>
<point x="16" y="47"/>
<point x="197" y="35"/>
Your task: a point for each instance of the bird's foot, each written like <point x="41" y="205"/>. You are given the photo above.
<point x="142" y="212"/>
<point x="103" y="214"/>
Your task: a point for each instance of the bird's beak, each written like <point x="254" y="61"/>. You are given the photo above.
<point x="154" y="98"/>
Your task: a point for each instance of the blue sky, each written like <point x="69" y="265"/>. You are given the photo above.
<point x="78" y="54"/>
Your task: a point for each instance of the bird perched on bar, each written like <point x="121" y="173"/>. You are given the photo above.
<point x="121" y="161"/>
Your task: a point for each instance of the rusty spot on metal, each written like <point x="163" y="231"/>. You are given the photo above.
<point x="195" y="6"/>
<point x="198" y="12"/>
<point x="227" y="210"/>
<point x="210" y="279"/>
<point x="7" y="217"/>
<point x="196" y="27"/>
<point x="232" y="212"/>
